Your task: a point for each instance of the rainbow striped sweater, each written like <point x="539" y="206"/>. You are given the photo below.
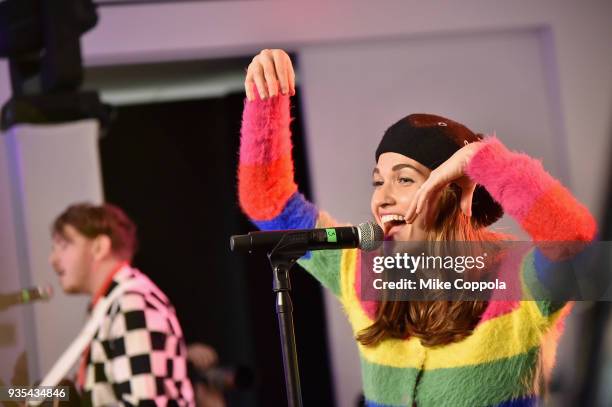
<point x="512" y="349"/>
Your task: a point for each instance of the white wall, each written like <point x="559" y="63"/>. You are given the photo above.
<point x="48" y="167"/>
<point x="567" y="42"/>
<point x="580" y="33"/>
<point x="12" y="321"/>
<point x="12" y="324"/>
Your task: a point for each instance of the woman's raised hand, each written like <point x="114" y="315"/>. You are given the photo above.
<point x="269" y="73"/>
<point x="451" y="171"/>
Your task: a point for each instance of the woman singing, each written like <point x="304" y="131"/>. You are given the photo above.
<point x="433" y="180"/>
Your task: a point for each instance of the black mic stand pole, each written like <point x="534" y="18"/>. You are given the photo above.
<point x="288" y="250"/>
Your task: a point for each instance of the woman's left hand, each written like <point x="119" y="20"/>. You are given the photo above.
<point x="451" y="171"/>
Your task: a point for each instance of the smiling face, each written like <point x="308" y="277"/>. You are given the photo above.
<point x="396" y="179"/>
<point x="72" y="257"/>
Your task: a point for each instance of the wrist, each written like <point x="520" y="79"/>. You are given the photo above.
<point x="470" y="151"/>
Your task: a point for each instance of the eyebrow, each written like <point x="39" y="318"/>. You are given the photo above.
<point x="398" y="167"/>
<point x="61" y="236"/>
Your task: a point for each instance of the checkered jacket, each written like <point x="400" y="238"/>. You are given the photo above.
<point x="138" y="355"/>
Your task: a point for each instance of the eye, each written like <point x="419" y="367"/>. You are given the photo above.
<point x="405" y="180"/>
<point x="376" y="183"/>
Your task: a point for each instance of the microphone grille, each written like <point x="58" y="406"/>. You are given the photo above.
<point x="370" y="236"/>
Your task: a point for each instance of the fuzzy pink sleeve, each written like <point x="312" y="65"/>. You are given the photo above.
<point x="542" y="206"/>
<point x="265" y="172"/>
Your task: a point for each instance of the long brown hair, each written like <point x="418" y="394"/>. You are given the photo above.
<point x="434" y="322"/>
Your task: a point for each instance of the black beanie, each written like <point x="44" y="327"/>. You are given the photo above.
<point x="431" y="140"/>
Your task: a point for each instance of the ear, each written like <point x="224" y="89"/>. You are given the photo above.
<point x="102" y="247"/>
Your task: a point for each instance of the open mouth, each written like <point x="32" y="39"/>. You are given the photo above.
<point x="392" y="223"/>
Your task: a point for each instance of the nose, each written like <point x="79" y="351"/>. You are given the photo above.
<point x="385" y="196"/>
<point x="52" y="258"/>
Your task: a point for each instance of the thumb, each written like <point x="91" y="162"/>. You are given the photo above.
<point x="467" y="193"/>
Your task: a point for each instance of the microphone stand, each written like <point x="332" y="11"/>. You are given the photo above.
<point x="284" y="255"/>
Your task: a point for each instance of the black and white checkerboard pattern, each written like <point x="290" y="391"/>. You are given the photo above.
<point x="138" y="356"/>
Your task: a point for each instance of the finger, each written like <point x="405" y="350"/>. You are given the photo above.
<point x="248" y="86"/>
<point x="291" y="81"/>
<point x="410" y="214"/>
<point x="467" y="193"/>
<point x="248" y="83"/>
<point x="249" y="94"/>
<point x="433" y="182"/>
<point x="415" y="202"/>
<point x="291" y="75"/>
<point x="257" y="77"/>
<point x="430" y="208"/>
<point x="269" y="72"/>
<point x="259" y="81"/>
<point x="423" y="197"/>
<point x="423" y="218"/>
<point x="281" y="71"/>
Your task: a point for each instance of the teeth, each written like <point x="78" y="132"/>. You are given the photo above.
<point x="390" y="218"/>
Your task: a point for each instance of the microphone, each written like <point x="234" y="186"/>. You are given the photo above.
<point x="25" y="296"/>
<point x="366" y="236"/>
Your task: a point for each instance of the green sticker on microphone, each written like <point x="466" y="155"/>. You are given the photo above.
<point x="331" y="235"/>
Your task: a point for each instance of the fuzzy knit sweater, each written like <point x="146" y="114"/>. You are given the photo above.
<point x="510" y="353"/>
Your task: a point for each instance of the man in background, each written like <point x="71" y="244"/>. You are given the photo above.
<point x="137" y="355"/>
